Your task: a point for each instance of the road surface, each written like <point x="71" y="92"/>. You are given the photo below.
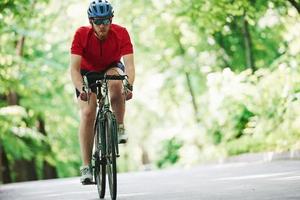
<point x="278" y="180"/>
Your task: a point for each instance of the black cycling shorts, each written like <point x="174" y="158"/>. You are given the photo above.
<point x="84" y="71"/>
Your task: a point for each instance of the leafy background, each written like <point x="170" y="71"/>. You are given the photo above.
<point x="214" y="79"/>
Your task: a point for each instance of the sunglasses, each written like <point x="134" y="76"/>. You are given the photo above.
<point x="98" y="21"/>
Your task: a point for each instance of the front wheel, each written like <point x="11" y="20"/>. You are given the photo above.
<point x="111" y="131"/>
<point x="100" y="169"/>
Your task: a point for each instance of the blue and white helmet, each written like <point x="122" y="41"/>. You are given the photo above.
<point x="100" y="8"/>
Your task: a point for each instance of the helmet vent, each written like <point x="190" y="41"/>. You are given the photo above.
<point x="94" y="8"/>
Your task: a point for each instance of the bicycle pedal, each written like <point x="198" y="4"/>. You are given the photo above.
<point x="88" y="183"/>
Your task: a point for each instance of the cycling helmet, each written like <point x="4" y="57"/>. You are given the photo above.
<point x="100" y="8"/>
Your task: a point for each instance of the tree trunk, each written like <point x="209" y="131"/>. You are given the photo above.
<point x="188" y="81"/>
<point x="20" y="46"/>
<point x="295" y="4"/>
<point x="190" y="87"/>
<point x="49" y="171"/>
<point x="145" y="159"/>
<point x="25" y="170"/>
<point x="1" y="164"/>
<point x="145" y="156"/>
<point x="219" y="38"/>
<point x="248" y="45"/>
<point x="4" y="167"/>
<point x="12" y="98"/>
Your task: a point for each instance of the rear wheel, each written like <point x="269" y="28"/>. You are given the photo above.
<point x="111" y="166"/>
<point x="100" y="166"/>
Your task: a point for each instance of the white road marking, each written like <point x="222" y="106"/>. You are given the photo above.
<point x="291" y="178"/>
<point x="254" y="176"/>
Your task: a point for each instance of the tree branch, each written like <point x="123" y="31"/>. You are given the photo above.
<point x="295" y="4"/>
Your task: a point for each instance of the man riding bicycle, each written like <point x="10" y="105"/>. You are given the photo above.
<point x="100" y="47"/>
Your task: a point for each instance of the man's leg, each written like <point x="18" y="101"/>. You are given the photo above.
<point x="117" y="97"/>
<point x="86" y="128"/>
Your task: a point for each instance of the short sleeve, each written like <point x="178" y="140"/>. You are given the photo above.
<point x="126" y="45"/>
<point x="77" y="46"/>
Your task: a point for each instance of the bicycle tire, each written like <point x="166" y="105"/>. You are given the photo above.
<point x="100" y="166"/>
<point x="111" y="166"/>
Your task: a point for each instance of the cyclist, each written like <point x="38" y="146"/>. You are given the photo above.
<point x="100" y="47"/>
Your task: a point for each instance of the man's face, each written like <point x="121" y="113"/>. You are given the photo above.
<point x="101" y="26"/>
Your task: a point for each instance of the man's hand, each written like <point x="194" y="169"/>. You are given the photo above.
<point x="128" y="95"/>
<point x="84" y="95"/>
<point x="128" y="91"/>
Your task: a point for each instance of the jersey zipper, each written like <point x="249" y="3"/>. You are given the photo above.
<point x="100" y="49"/>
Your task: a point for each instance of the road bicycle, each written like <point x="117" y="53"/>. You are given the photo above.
<point x="105" y="150"/>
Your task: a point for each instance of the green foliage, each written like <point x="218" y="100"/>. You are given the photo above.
<point x="254" y="111"/>
<point x="239" y="110"/>
<point x="169" y="152"/>
<point x="245" y="145"/>
<point x="30" y="71"/>
<point x="18" y="140"/>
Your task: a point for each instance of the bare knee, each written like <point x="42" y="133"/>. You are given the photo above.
<point x="115" y="88"/>
<point x="88" y="114"/>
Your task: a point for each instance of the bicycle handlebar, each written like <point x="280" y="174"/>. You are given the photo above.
<point x="101" y="76"/>
<point x="96" y="76"/>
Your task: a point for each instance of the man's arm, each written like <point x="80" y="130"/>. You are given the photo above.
<point x="75" y="71"/>
<point x="129" y="67"/>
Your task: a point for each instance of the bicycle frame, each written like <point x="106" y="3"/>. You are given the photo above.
<point x="103" y="106"/>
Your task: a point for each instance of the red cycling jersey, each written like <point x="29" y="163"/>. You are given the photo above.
<point x="98" y="55"/>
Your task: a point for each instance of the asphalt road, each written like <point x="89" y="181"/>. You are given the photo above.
<point x="278" y="180"/>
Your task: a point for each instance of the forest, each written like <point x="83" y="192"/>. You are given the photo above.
<point x="214" y="79"/>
